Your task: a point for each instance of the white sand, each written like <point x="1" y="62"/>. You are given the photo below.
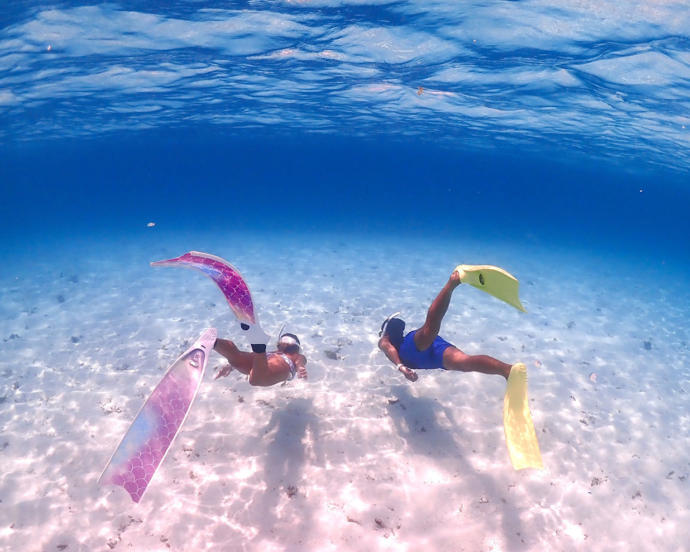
<point x="357" y="458"/>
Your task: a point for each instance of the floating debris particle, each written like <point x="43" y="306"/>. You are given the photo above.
<point x="596" y="481"/>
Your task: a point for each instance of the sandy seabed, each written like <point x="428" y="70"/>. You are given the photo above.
<point x="356" y="458"/>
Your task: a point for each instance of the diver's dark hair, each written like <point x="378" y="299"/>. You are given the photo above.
<point x="394" y="331"/>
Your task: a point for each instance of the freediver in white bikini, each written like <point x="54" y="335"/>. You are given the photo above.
<point x="265" y="369"/>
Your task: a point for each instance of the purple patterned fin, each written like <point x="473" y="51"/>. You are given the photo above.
<point x="148" y="439"/>
<point x="226" y="276"/>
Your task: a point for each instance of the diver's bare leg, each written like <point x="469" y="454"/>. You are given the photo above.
<point x="455" y="359"/>
<point x="259" y="368"/>
<point x="427" y="333"/>
<point x="263" y="374"/>
<point x="239" y="360"/>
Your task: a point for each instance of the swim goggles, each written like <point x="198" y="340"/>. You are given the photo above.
<point x="290" y="342"/>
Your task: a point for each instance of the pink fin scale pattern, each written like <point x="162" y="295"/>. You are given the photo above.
<point x="148" y="439"/>
<point x="226" y="277"/>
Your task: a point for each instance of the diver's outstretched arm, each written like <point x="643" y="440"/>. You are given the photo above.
<point x="392" y="353"/>
<point x="301" y="365"/>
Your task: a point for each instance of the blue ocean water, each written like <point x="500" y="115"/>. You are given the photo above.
<point x="552" y="124"/>
<point x="346" y="154"/>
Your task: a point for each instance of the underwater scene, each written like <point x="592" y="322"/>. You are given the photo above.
<point x="437" y="285"/>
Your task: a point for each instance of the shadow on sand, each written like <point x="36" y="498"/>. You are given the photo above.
<point x="419" y="422"/>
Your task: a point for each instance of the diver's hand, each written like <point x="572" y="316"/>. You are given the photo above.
<point x="407" y="372"/>
<point x="301" y="367"/>
<point x="223" y="371"/>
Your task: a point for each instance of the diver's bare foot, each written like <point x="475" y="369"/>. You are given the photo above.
<point x="223" y="371"/>
<point x="408" y="373"/>
<point x="455" y="278"/>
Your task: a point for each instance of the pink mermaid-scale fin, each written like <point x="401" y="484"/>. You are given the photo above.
<point x="226" y="277"/>
<point x="148" y="439"/>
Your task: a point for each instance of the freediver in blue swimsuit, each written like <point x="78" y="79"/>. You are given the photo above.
<point x="424" y="349"/>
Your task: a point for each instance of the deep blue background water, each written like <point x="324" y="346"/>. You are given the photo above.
<point x="296" y="183"/>
<point x="541" y="124"/>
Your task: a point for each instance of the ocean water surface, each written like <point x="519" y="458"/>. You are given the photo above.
<point x="346" y="156"/>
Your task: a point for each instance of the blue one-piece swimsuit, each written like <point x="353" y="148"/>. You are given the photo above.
<point x="422" y="360"/>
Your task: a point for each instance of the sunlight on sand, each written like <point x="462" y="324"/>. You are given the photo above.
<point x="356" y="457"/>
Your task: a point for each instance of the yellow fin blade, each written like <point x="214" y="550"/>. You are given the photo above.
<point x="494" y="281"/>
<point x="517" y="422"/>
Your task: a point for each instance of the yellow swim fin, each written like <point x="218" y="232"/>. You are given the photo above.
<point x="494" y="281"/>
<point x="517" y="422"/>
